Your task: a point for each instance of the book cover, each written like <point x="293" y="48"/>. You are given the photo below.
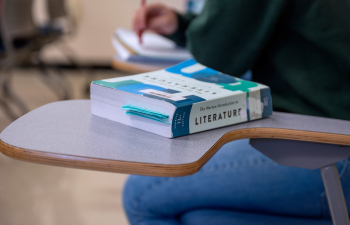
<point x="203" y="98"/>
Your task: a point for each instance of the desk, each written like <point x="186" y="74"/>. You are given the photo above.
<point x="66" y="134"/>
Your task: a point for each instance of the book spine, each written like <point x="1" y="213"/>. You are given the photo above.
<point x="221" y="112"/>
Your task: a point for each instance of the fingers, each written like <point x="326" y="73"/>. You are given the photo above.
<point x="165" y="24"/>
<point x="156" y="17"/>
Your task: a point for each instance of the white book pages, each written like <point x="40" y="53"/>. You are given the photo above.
<point x="119" y="98"/>
<point x="114" y="113"/>
<point x="153" y="46"/>
<point x="107" y="103"/>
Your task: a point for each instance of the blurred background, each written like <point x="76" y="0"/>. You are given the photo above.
<point x="96" y="21"/>
<point x="51" y="50"/>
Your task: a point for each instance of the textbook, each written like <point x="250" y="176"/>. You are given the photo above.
<point x="184" y="99"/>
<point x="155" y="49"/>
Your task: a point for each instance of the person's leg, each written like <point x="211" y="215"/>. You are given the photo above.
<point x="237" y="178"/>
<point x="226" y="217"/>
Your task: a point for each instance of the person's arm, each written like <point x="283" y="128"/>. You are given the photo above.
<point x="229" y="36"/>
<point x="162" y="20"/>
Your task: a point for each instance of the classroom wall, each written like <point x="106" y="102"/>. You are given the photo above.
<point x="97" y="21"/>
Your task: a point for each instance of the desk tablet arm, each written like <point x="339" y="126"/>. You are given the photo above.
<point x="312" y="155"/>
<point x="66" y="134"/>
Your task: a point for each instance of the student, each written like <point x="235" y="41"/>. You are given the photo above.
<point x="301" y="50"/>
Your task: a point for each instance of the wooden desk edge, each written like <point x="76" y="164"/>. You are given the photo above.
<point x="162" y="169"/>
<point x="133" y="69"/>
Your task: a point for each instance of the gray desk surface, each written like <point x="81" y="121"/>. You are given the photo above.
<point x="66" y="134"/>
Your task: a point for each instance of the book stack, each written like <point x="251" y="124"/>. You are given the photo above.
<point x="180" y="100"/>
<point x="155" y="52"/>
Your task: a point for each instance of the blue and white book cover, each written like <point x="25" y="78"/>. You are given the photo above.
<point x="204" y="98"/>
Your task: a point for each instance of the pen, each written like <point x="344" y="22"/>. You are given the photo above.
<point x="143" y="4"/>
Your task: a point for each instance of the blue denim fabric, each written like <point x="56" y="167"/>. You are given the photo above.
<point x="239" y="185"/>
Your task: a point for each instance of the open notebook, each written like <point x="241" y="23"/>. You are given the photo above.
<point x="154" y="48"/>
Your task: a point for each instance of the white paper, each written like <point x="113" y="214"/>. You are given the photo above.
<point x="153" y="45"/>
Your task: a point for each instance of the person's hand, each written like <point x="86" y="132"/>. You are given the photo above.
<point x="155" y="17"/>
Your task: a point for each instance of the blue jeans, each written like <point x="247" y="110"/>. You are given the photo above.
<point x="239" y="185"/>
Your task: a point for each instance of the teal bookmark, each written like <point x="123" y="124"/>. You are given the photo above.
<point x="146" y="113"/>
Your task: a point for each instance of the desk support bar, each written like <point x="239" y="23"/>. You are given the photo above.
<point x="335" y="195"/>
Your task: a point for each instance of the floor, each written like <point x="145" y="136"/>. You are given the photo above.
<point x="33" y="194"/>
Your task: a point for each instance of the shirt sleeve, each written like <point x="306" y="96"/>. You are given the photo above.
<point x="229" y="35"/>
<point x="183" y="21"/>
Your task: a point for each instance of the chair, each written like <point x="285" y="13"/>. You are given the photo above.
<point x="22" y="42"/>
<point x="17" y="28"/>
<point x="57" y="10"/>
<point x="54" y="31"/>
<point x="62" y="22"/>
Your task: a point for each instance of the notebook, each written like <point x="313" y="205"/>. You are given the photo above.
<point x="154" y="48"/>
